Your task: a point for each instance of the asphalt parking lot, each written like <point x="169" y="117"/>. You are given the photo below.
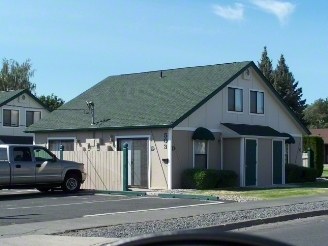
<point x="27" y="206"/>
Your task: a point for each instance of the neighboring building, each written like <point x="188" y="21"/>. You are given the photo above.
<point x="19" y="109"/>
<point x="324" y="134"/>
<point x="225" y="116"/>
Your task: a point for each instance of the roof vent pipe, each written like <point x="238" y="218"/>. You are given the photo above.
<point x="91" y="107"/>
<point x="161" y="74"/>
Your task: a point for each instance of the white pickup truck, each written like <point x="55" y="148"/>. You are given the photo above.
<point x="32" y="166"/>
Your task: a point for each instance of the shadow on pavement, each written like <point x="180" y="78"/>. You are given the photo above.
<point x="33" y="195"/>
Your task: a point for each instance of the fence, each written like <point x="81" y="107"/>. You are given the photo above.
<point x="305" y="159"/>
<point x="103" y="168"/>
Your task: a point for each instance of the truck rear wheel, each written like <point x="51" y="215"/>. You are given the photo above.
<point x="71" y="183"/>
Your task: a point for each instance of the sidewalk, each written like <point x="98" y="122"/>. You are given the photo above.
<point x="34" y="233"/>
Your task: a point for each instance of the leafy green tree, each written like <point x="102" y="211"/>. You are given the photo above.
<point x="287" y="87"/>
<point x="52" y="101"/>
<point x="316" y="114"/>
<point x="15" y="76"/>
<point x="265" y="65"/>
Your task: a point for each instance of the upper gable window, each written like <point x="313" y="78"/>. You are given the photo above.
<point x="10" y="118"/>
<point x="257" y="102"/>
<point x="32" y="117"/>
<point x="235" y="99"/>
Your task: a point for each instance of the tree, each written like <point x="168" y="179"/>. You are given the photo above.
<point x="316" y="114"/>
<point x="15" y="76"/>
<point x="51" y="101"/>
<point x="265" y="66"/>
<point x="287" y="87"/>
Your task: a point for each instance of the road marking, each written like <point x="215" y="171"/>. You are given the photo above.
<point x="79" y="203"/>
<point x="154" y="209"/>
<point x="107" y="195"/>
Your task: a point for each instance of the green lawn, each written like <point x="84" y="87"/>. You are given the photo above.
<point x="271" y="193"/>
<point x="325" y="172"/>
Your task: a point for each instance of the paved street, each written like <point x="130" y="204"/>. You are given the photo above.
<point x="302" y="232"/>
<point x="26" y="206"/>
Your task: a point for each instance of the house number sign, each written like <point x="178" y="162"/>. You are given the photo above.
<point x="165" y="140"/>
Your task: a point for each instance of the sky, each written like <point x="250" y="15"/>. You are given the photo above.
<point x="75" y="44"/>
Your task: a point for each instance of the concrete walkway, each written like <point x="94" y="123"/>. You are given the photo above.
<point x="36" y="233"/>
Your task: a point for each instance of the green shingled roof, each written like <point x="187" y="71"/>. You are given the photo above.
<point x="142" y="100"/>
<point x="7" y="96"/>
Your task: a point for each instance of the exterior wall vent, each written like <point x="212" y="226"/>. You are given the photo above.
<point x="22" y="99"/>
<point x="247" y="74"/>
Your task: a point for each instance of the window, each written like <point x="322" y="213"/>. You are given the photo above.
<point x="3" y="154"/>
<point x="257" y="102"/>
<point x="286" y="153"/>
<point x="235" y="99"/>
<point x="22" y="154"/>
<point x="10" y="118"/>
<point x="32" y="117"/>
<point x="42" y="154"/>
<point x="200" y="151"/>
<point x="68" y="144"/>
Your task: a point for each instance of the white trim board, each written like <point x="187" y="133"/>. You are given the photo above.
<point x="169" y="154"/>
<point x="181" y="128"/>
<point x="253" y="137"/>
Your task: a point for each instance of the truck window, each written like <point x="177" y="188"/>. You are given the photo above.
<point x="22" y="154"/>
<point x="3" y="154"/>
<point x="41" y="154"/>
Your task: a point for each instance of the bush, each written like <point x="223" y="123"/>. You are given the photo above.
<point x="299" y="174"/>
<point x="227" y="178"/>
<point x="316" y="144"/>
<point x="202" y="179"/>
<point x="309" y="174"/>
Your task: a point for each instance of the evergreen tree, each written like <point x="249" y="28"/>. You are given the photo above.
<point x="287" y="87"/>
<point x="265" y="66"/>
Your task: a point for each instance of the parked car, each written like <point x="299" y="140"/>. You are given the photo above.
<point x="32" y="166"/>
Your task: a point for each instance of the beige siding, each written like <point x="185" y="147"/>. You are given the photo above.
<point x="181" y="156"/>
<point x="231" y="155"/>
<point x="295" y="152"/>
<point x="104" y="169"/>
<point x="158" y="169"/>
<point x="264" y="164"/>
<point x="214" y="158"/>
<point x="22" y="106"/>
<point x="215" y="111"/>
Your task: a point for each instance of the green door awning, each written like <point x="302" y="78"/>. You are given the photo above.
<point x="290" y="139"/>
<point x="202" y="133"/>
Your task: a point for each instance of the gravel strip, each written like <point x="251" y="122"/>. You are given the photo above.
<point x="135" y="229"/>
<point x="235" y="198"/>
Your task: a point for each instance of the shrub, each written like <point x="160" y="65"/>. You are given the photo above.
<point x="207" y="178"/>
<point x="316" y="144"/>
<point x="227" y="178"/>
<point x="199" y="179"/>
<point x="309" y="174"/>
<point x="299" y="174"/>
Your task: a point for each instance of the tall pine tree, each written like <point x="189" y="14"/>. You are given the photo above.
<point x="265" y="66"/>
<point x="285" y="84"/>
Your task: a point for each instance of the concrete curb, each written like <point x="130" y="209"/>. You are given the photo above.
<point x="249" y="223"/>
<point x="188" y="196"/>
<point x="125" y="193"/>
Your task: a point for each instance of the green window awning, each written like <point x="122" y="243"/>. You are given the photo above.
<point x="202" y="133"/>
<point x="290" y="139"/>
